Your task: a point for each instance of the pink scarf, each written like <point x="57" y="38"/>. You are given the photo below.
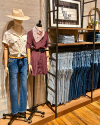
<point x="38" y="34"/>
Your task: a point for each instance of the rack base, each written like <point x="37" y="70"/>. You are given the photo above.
<point x="18" y="115"/>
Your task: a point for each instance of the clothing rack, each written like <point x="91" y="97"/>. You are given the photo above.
<point x="34" y="108"/>
<point x="18" y="115"/>
<point x="56" y="46"/>
<point x="56" y="60"/>
<point x="93" y="40"/>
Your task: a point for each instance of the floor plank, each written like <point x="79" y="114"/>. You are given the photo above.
<point x="80" y="116"/>
<point x="66" y="120"/>
<point x="93" y="109"/>
<point x="91" y="113"/>
<point x="76" y="119"/>
<point x="59" y="121"/>
<point x="50" y="123"/>
<point x="54" y="122"/>
<point x="89" y="117"/>
<point x="96" y="104"/>
<point x="73" y="122"/>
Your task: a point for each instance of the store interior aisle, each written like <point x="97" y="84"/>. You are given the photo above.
<point x="86" y="115"/>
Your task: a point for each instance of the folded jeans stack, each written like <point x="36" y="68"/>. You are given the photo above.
<point x="90" y="37"/>
<point x="66" y="39"/>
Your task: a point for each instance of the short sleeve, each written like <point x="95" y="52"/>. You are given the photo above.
<point x="47" y="42"/>
<point x="5" y="39"/>
<point x="29" y="40"/>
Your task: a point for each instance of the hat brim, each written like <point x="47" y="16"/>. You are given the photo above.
<point x="19" y="18"/>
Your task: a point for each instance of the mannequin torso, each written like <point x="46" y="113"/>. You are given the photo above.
<point x="40" y="40"/>
<point x="18" y="29"/>
<point x="39" y="26"/>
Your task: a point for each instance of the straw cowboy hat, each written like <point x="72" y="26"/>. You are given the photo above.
<point x="18" y="15"/>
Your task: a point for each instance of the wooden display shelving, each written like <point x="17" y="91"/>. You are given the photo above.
<point x="54" y="33"/>
<point x="67" y="28"/>
<point x="76" y="44"/>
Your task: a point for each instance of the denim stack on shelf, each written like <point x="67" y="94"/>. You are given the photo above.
<point x="66" y="39"/>
<point x="90" y="37"/>
<point x="74" y="75"/>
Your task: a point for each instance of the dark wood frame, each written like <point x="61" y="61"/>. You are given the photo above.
<point x="65" y="23"/>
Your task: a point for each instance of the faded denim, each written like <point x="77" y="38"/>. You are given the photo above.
<point x="15" y="66"/>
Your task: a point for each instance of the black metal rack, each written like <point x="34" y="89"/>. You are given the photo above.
<point x="93" y="40"/>
<point x="34" y="109"/>
<point x="56" y="45"/>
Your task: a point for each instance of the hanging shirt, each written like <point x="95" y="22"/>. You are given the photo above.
<point x="38" y="59"/>
<point x="16" y="43"/>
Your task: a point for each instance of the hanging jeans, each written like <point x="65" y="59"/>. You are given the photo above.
<point x="15" y="66"/>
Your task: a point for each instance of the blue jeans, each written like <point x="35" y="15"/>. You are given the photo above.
<point x="15" y="66"/>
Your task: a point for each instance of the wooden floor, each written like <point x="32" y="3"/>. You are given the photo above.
<point x="61" y="110"/>
<point x="87" y="115"/>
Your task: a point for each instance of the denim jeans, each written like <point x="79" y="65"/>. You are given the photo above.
<point x="64" y="75"/>
<point x="74" y="68"/>
<point x="81" y="66"/>
<point x="68" y="75"/>
<point x="15" y="66"/>
<point x="51" y="82"/>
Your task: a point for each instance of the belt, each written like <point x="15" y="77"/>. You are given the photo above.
<point x="15" y="57"/>
<point x="39" y="50"/>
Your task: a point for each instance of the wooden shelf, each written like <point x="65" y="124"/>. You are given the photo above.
<point x="78" y="29"/>
<point x="66" y="28"/>
<point x="76" y="44"/>
<point x="77" y="103"/>
<point x="91" y="29"/>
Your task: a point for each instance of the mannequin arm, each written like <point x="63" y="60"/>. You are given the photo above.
<point x="47" y="54"/>
<point x="6" y="58"/>
<point x="29" y="59"/>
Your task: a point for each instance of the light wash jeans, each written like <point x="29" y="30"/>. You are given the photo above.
<point x="64" y="75"/>
<point x="15" y="66"/>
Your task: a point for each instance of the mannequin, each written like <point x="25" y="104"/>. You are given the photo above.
<point x="37" y="43"/>
<point x="39" y="25"/>
<point x="15" y="40"/>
